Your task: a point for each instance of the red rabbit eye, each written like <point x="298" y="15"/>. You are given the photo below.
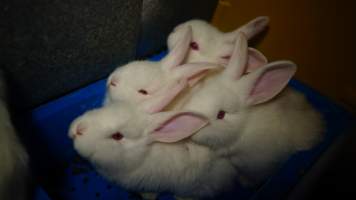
<point x="144" y="92"/>
<point x="194" y="46"/>
<point x="221" y="114"/>
<point x="117" y="136"/>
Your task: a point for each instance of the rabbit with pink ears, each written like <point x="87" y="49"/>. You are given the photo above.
<point x="254" y="119"/>
<point x="208" y="44"/>
<point x="236" y="120"/>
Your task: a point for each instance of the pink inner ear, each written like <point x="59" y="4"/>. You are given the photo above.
<point x="255" y="60"/>
<point x="179" y="127"/>
<point x="270" y="84"/>
<point x="179" y="122"/>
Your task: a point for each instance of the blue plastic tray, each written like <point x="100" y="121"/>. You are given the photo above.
<point x="63" y="175"/>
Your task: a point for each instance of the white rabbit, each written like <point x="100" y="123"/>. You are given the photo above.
<point x="138" y="81"/>
<point x="252" y="119"/>
<point x="14" y="159"/>
<point x="148" y="152"/>
<point x="210" y="44"/>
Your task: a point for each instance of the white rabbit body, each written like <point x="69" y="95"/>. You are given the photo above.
<point x="14" y="159"/>
<point x="147" y="152"/>
<point x="211" y="45"/>
<point x="252" y="119"/>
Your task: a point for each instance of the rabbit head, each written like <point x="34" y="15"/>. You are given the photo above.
<point x="254" y="119"/>
<point x="226" y="97"/>
<point x="208" y="44"/>
<point x="118" y="137"/>
<point x="150" y="152"/>
<point x="139" y="81"/>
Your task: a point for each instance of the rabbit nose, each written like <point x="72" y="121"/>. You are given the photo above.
<point x="113" y="83"/>
<point x="78" y="131"/>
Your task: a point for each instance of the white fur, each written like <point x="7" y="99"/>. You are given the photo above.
<point x="257" y="137"/>
<point x="130" y="79"/>
<point x="14" y="159"/>
<point x="213" y="44"/>
<point x="138" y="163"/>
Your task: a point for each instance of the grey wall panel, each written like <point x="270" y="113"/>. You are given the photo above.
<point x="51" y="47"/>
<point x="159" y="17"/>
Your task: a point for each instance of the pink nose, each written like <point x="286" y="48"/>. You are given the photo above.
<point x="113" y="83"/>
<point x="78" y="131"/>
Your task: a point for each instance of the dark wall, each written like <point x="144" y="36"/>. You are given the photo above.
<point x="51" y="47"/>
<point x="159" y="17"/>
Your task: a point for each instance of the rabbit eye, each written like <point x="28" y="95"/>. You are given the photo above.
<point x="194" y="46"/>
<point x="117" y="136"/>
<point x="221" y="114"/>
<point x="144" y="92"/>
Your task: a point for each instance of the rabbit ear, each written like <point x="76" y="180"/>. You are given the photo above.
<point x="177" y="55"/>
<point x="178" y="127"/>
<point x="243" y="59"/>
<point x="255" y="60"/>
<point x="266" y="82"/>
<point x="193" y="72"/>
<point x="184" y="76"/>
<point x="163" y="97"/>
<point x="251" y="28"/>
<point x="238" y="60"/>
